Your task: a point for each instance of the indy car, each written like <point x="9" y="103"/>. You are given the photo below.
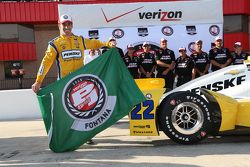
<point x="214" y="103"/>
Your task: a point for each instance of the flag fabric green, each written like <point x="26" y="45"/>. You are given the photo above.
<point x="87" y="101"/>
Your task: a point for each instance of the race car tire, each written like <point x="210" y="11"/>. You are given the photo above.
<point x="158" y="112"/>
<point x="185" y="117"/>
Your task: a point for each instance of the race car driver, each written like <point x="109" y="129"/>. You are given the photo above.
<point x="67" y="50"/>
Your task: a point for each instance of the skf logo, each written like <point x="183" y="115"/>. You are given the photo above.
<point x="85" y="100"/>
<point x="162" y="15"/>
<point x="221" y="85"/>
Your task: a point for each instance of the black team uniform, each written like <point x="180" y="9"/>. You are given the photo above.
<point x="166" y="56"/>
<point x="201" y="60"/>
<point x="239" y="59"/>
<point x="147" y="62"/>
<point x="183" y="68"/>
<point x="132" y="65"/>
<point x="220" y="56"/>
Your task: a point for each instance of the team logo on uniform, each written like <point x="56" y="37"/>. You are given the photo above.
<point x="85" y="99"/>
<point x="191" y="47"/>
<point x="143" y="32"/>
<point x="93" y="34"/>
<point x="63" y="45"/>
<point x="191" y="30"/>
<point x="118" y="33"/>
<point x="214" y="30"/>
<point x="168" y="31"/>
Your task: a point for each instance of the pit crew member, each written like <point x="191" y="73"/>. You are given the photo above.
<point x="165" y="59"/>
<point x="201" y="60"/>
<point x="184" y="67"/>
<point x="219" y="56"/>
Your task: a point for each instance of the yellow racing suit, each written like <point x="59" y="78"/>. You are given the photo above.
<point x="68" y="51"/>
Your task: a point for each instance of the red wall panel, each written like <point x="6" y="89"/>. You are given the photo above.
<point x="47" y="12"/>
<point x="22" y="9"/>
<point x="17" y="51"/>
<point x="32" y="12"/>
<point x="231" y="38"/>
<point x="236" y="7"/>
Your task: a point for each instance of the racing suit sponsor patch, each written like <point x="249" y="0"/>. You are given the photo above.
<point x="70" y="54"/>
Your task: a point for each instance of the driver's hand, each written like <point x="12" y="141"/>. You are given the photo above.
<point x="36" y="86"/>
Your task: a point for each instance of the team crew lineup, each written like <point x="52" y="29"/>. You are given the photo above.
<point x="162" y="62"/>
<point x="68" y="51"/>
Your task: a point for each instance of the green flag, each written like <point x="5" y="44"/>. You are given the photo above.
<point x="86" y="102"/>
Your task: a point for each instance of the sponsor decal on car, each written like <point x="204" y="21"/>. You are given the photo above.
<point x="220" y="85"/>
<point x="234" y="72"/>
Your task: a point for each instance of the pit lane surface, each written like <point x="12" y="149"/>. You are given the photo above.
<point x="24" y="143"/>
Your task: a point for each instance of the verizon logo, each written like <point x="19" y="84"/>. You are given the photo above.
<point x="162" y="15"/>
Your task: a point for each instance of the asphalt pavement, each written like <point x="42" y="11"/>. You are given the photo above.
<point x="24" y="143"/>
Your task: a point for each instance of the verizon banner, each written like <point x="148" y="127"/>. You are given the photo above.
<point x="180" y="22"/>
<point x="145" y="14"/>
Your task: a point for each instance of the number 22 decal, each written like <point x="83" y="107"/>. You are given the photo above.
<point x="146" y="113"/>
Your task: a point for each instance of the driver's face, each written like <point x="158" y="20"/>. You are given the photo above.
<point x="65" y="28"/>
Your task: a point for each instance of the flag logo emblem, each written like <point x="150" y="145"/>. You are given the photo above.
<point x="84" y="96"/>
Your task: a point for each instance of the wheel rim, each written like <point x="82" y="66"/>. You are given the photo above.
<point x="187" y="118"/>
